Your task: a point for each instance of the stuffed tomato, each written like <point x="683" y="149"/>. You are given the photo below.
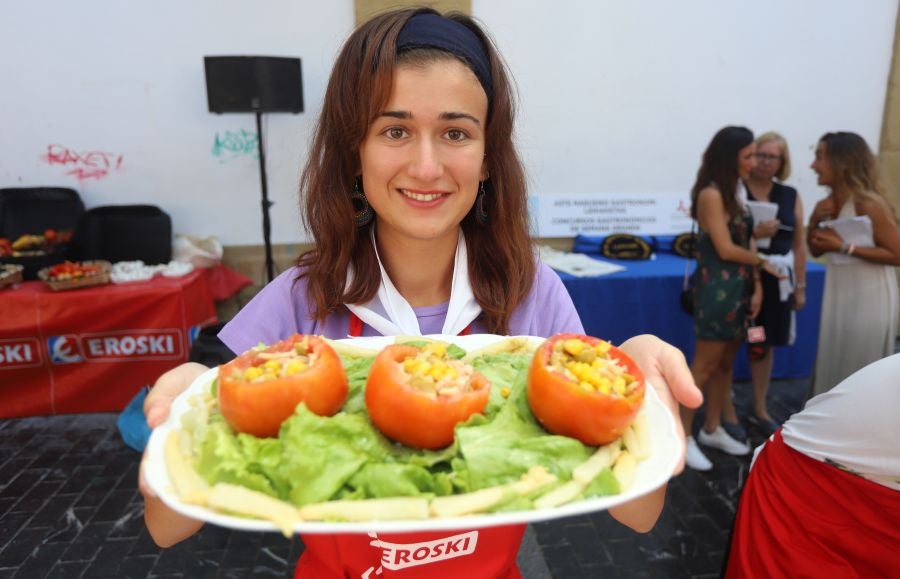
<point x="585" y="388"/>
<point x="262" y="387"/>
<point x="417" y="396"/>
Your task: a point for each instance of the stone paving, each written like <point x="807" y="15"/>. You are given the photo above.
<point x="69" y="507"/>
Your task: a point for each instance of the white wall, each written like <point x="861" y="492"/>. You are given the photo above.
<point x="615" y="96"/>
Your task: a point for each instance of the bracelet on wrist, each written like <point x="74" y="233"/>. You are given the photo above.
<point x="851" y="249"/>
<point x="800" y="285"/>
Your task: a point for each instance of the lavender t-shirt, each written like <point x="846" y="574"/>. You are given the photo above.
<point x="281" y="309"/>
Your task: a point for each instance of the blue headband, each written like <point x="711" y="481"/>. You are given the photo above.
<point x="436" y="31"/>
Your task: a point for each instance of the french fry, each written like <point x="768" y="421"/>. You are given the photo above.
<point x="348" y="351"/>
<point x="244" y="501"/>
<point x="413" y="508"/>
<point x="483" y="500"/>
<point x="642" y="429"/>
<point x="623" y="470"/>
<point x="582" y="476"/>
<point x="561" y="495"/>
<point x="604" y="457"/>
<point x="632" y="441"/>
<point x="189" y="486"/>
<point x="404" y="339"/>
<point x="513" y="345"/>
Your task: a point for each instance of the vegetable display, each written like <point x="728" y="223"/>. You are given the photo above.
<point x="260" y="389"/>
<point x="417" y="395"/>
<point x="584" y="387"/>
<point x="348" y="466"/>
<point x="68" y="270"/>
<point x="34" y="244"/>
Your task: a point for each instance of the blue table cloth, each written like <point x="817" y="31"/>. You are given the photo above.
<point x="643" y="299"/>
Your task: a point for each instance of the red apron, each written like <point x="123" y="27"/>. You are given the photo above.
<point x="488" y="552"/>
<point x="801" y="517"/>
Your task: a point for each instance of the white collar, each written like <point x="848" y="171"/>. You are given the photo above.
<point x="391" y="314"/>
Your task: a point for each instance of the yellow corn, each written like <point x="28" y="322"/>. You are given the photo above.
<point x="439" y="349"/>
<point x="437" y="371"/>
<point x="294" y="367"/>
<point x="605" y="386"/>
<point x="573" y="346"/>
<point x="253" y="373"/>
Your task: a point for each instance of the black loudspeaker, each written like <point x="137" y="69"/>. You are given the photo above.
<point x="249" y="84"/>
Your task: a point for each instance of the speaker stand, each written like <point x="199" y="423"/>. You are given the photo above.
<point x="267" y="224"/>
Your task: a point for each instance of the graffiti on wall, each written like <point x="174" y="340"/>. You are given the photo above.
<point x="83" y="165"/>
<point x="232" y="145"/>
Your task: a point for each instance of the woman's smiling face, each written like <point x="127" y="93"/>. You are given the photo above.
<point x="822" y="166"/>
<point x="423" y="156"/>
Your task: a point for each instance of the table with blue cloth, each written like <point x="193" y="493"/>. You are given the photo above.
<point x="643" y="299"/>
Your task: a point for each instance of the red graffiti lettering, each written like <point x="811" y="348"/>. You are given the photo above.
<point x="89" y="165"/>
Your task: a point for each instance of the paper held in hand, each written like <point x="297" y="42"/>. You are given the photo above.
<point x="762" y="211"/>
<point x="854" y="230"/>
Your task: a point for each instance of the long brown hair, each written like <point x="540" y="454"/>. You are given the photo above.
<point x="854" y="165"/>
<point x="500" y="257"/>
<point x="720" y="168"/>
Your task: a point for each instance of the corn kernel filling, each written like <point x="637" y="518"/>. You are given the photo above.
<point x="436" y="375"/>
<point x="591" y="367"/>
<point x="272" y="365"/>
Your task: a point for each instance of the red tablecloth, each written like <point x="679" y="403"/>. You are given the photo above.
<point x="225" y="282"/>
<point x="91" y="349"/>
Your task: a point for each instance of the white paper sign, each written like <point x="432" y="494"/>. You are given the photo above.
<point x="856" y="230"/>
<point x="577" y="264"/>
<point x="762" y="211"/>
<point x="601" y="214"/>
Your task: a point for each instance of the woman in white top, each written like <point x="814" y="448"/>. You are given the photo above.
<point x="860" y="305"/>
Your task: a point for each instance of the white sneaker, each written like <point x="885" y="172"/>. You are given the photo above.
<point x="720" y="439"/>
<point x="694" y="457"/>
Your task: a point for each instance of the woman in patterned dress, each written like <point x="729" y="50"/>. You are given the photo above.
<point x="727" y="289"/>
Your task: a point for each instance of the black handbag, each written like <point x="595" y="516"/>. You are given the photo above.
<point x="686" y="299"/>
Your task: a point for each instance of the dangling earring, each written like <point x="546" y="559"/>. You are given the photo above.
<point x="363" y="211"/>
<point x="481" y="215"/>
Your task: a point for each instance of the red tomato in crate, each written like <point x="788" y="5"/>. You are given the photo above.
<point x="260" y="389"/>
<point x="569" y="396"/>
<point x="72" y="269"/>
<point x="417" y="396"/>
